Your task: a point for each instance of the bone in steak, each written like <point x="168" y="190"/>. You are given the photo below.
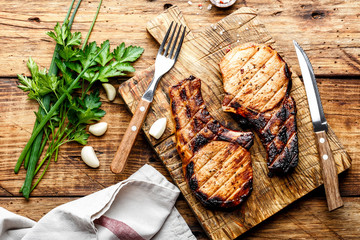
<point x="216" y="160"/>
<point x="257" y="83"/>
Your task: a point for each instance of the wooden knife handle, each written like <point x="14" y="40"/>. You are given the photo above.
<point x="129" y="137"/>
<point x="330" y="177"/>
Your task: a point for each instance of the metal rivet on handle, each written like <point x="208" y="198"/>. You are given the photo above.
<point x="322" y="140"/>
<point x="142" y="109"/>
<point x="133" y="128"/>
<point x="325" y="157"/>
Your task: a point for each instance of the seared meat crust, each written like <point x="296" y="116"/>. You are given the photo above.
<point x="216" y="160"/>
<point x="257" y="83"/>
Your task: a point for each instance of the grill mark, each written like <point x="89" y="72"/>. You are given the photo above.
<point x="183" y="108"/>
<point x="222" y="166"/>
<point x="245" y="185"/>
<point x="283" y="149"/>
<point x="237" y="73"/>
<point x="258" y="69"/>
<point x="257" y="50"/>
<point x="252" y="78"/>
<point x="239" y="171"/>
<point x="214" y="157"/>
<point x="256" y="94"/>
<point x="193" y="119"/>
<point x="199" y="142"/>
<point x="188" y="111"/>
<point x="178" y="89"/>
<point x="211" y="156"/>
<point x="205" y="127"/>
<point x="274" y="117"/>
<point x="275" y="94"/>
<point x="280" y="129"/>
<point x="183" y="94"/>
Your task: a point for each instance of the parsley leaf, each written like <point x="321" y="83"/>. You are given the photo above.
<point x="124" y="67"/>
<point x="86" y="111"/>
<point x="63" y="36"/>
<point x="131" y="53"/>
<point x="79" y="136"/>
<point x="105" y="55"/>
<point x="41" y="82"/>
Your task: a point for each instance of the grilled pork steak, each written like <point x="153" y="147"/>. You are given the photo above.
<point x="257" y="82"/>
<point x="216" y="161"/>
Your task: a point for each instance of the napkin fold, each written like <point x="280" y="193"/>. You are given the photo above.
<point x="141" y="207"/>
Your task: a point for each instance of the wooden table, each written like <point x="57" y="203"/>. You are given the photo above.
<point x="327" y="30"/>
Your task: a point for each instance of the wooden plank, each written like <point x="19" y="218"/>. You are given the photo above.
<point x="328" y="30"/>
<point x="336" y="94"/>
<point x="17" y="116"/>
<point x="200" y="56"/>
<point x="305" y="219"/>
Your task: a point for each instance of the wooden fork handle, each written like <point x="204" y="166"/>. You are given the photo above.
<point x="129" y="137"/>
<point x="330" y="177"/>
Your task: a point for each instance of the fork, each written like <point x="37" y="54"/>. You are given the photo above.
<point x="165" y="60"/>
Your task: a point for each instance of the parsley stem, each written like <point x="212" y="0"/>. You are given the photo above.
<point x="56" y="106"/>
<point x="92" y="26"/>
<point x="52" y="70"/>
<point x="73" y="16"/>
<point x="42" y="174"/>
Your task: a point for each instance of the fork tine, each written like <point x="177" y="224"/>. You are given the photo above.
<point x="170" y="40"/>
<point x="180" y="44"/>
<point x="176" y="39"/>
<point x="165" y="38"/>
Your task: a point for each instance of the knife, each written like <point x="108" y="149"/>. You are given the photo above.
<point x="327" y="162"/>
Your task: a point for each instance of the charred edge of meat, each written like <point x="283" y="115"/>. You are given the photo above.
<point x="188" y="111"/>
<point x="191" y="77"/>
<point x="198" y="99"/>
<point x="183" y="94"/>
<point x="246" y="140"/>
<point x="199" y="142"/>
<point x="288" y="73"/>
<point x="177" y="123"/>
<point x="193" y="183"/>
<point x="242" y="121"/>
<point x="173" y="106"/>
<point x="189" y="170"/>
<point x="288" y="161"/>
<point x="216" y="202"/>
<point x="214" y="126"/>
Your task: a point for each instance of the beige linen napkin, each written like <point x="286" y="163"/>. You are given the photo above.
<point x="141" y="207"/>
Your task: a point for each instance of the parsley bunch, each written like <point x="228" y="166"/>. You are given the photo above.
<point x="64" y="113"/>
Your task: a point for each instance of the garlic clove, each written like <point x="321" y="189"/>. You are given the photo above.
<point x="110" y="91"/>
<point x="89" y="157"/>
<point x="98" y="129"/>
<point x="158" y="128"/>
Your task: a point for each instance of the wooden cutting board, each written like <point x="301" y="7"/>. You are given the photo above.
<point x="200" y="56"/>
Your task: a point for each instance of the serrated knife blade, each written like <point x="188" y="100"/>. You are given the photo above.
<point x="327" y="162"/>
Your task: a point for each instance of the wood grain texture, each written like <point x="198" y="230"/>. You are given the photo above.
<point x="327" y="30"/>
<point x="329" y="174"/>
<point x="305" y="219"/>
<point x="200" y="55"/>
<point x="121" y="156"/>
